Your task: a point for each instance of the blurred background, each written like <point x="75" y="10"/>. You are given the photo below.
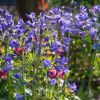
<point x="22" y="7"/>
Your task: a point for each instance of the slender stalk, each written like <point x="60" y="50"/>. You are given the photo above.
<point x="91" y="74"/>
<point x="8" y="79"/>
<point x="9" y="87"/>
<point x="23" y="68"/>
<point x="33" y="86"/>
<point x="47" y="86"/>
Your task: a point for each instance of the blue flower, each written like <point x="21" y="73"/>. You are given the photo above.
<point x="19" y="97"/>
<point x="8" y="67"/>
<point x="53" y="81"/>
<point x="17" y="75"/>
<point x="21" y="22"/>
<point x="66" y="41"/>
<point x="48" y="18"/>
<point x="68" y="15"/>
<point x="30" y="24"/>
<point x="83" y="9"/>
<point x="93" y="33"/>
<point x="7" y="15"/>
<point x="82" y="33"/>
<point x="63" y="69"/>
<point x="72" y="87"/>
<point x="8" y="57"/>
<point x="4" y="25"/>
<point x="58" y="68"/>
<point x="0" y="27"/>
<point x="96" y="46"/>
<point x="75" y="30"/>
<point x="55" y="10"/>
<point x="97" y="8"/>
<point x="55" y="45"/>
<point x="31" y="16"/>
<point x="13" y="44"/>
<point x="46" y="63"/>
<point x="28" y="41"/>
<point x="1" y="11"/>
<point x="83" y="16"/>
<point x="62" y="61"/>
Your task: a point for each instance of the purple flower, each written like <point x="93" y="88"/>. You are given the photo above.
<point x="20" y="25"/>
<point x="8" y="67"/>
<point x="1" y="11"/>
<point x="28" y="41"/>
<point x="8" y="57"/>
<point x="93" y="33"/>
<point x="75" y="30"/>
<point x="72" y="87"/>
<point x="30" y="24"/>
<point x="66" y="41"/>
<point x="63" y="69"/>
<point x="31" y="16"/>
<point x="62" y="61"/>
<point x="4" y="25"/>
<point x="17" y="75"/>
<point x="13" y="44"/>
<point x="47" y="18"/>
<point x="55" y="45"/>
<point x="46" y="63"/>
<point x="97" y="8"/>
<point x="21" y="22"/>
<point x="82" y="33"/>
<point x="58" y="68"/>
<point x="19" y="97"/>
<point x="7" y="15"/>
<point x="55" y="10"/>
<point x="68" y="15"/>
<point x="53" y="81"/>
<point x="83" y="8"/>
<point x="83" y="16"/>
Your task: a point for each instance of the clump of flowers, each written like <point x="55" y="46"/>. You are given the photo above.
<point x="36" y="52"/>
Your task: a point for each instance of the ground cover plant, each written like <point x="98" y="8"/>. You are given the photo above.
<point x="36" y="55"/>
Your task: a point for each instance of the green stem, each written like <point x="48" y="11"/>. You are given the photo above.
<point x="9" y="87"/>
<point x="93" y="55"/>
<point x="33" y="86"/>
<point x="47" y="86"/>
<point x="23" y="68"/>
<point x="8" y="79"/>
<point x="91" y="74"/>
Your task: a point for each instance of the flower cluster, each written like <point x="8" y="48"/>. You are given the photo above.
<point x="37" y="51"/>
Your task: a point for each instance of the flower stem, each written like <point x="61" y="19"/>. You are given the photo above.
<point x="9" y="87"/>
<point x="8" y="78"/>
<point x="91" y="73"/>
<point x="34" y="73"/>
<point x="23" y="86"/>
